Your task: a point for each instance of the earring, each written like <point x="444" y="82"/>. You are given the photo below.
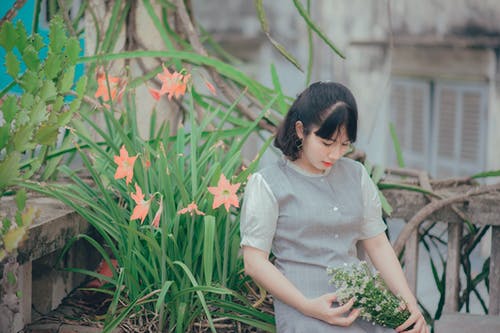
<point x="298" y="143"/>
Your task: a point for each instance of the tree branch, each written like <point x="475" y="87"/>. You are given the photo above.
<point x="227" y="91"/>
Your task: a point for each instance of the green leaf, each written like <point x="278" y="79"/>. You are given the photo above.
<point x="72" y="51"/>
<point x="397" y="146"/>
<point x="38" y="112"/>
<point x="66" y="81"/>
<point x="4" y="135"/>
<point x="377" y="173"/>
<point x="493" y="173"/>
<point x="30" y="82"/>
<point x="37" y="42"/>
<point x="31" y="58"/>
<point x="161" y="297"/>
<point x="57" y="35"/>
<point x="11" y="278"/>
<point x="46" y="134"/>
<point x="57" y="108"/>
<point x="27" y="101"/>
<point x="12" y="64"/>
<point x="73" y="107"/>
<point x="48" y="92"/>
<point x="22" y="36"/>
<point x="276" y="82"/>
<point x="6" y="223"/>
<point x="52" y="66"/>
<point x="65" y="117"/>
<point x="265" y="27"/>
<point x="386" y="206"/>
<point x="8" y="36"/>
<point x="303" y="12"/>
<point x="208" y="248"/>
<point x="22" y="138"/>
<point x="22" y="118"/>
<point x="9" y="108"/>
<point x="80" y="86"/>
<point x="261" y="14"/>
<point x="9" y="169"/>
<point x="21" y="199"/>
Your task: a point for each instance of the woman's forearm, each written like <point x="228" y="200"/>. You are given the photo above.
<point x="386" y="262"/>
<point x="262" y="271"/>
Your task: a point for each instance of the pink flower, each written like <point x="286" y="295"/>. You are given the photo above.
<point x="156" y="219"/>
<point x="173" y="84"/>
<point x="211" y="88"/>
<point x="225" y="193"/>
<point x="192" y="209"/>
<point x="125" y="165"/>
<point x="142" y="207"/>
<point x="155" y="93"/>
<point x="116" y="87"/>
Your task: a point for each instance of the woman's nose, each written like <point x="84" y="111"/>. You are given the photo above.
<point x="335" y="153"/>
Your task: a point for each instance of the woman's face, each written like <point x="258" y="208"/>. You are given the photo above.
<point x="318" y="154"/>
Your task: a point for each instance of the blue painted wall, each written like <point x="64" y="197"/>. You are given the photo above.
<point x="25" y="14"/>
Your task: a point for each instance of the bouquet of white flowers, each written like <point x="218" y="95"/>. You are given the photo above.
<point x="376" y="302"/>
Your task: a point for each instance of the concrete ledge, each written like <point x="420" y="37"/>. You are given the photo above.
<point x="467" y="323"/>
<point x="38" y="283"/>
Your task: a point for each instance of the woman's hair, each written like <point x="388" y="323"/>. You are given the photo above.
<point x="327" y="105"/>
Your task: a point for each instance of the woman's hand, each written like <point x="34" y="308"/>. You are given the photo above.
<point x="321" y="308"/>
<point x="416" y="319"/>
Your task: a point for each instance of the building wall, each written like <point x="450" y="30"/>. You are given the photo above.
<point x="362" y="31"/>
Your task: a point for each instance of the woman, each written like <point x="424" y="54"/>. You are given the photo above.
<point x="310" y="209"/>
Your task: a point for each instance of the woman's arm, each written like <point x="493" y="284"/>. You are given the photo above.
<point x="258" y="266"/>
<point x="386" y="262"/>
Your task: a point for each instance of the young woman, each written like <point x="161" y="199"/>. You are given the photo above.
<point x="310" y="209"/>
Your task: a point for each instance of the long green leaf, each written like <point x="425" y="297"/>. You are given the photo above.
<point x="305" y="15"/>
<point x="265" y="28"/>
<point x="397" y="146"/>
<point x="208" y="248"/>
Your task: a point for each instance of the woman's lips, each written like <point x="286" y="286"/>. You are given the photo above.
<point x="327" y="164"/>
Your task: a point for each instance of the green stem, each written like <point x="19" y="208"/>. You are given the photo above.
<point x="226" y="251"/>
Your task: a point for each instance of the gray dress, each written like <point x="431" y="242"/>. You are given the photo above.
<point x="311" y="222"/>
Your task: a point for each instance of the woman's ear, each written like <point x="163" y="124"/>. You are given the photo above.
<point x="299" y="129"/>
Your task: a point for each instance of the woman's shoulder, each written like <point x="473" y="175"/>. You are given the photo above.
<point x="271" y="170"/>
<point x="350" y="165"/>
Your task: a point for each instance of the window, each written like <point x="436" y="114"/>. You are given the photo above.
<point x="441" y="126"/>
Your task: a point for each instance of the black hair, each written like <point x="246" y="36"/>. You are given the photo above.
<point x="328" y="105"/>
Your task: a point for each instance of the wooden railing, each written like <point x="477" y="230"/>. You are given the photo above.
<point x="452" y="204"/>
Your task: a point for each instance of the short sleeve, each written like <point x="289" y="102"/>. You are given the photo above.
<point x="373" y="223"/>
<point x="259" y="214"/>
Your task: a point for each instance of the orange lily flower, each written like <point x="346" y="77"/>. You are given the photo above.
<point x="156" y="219"/>
<point x="125" y="165"/>
<point x="211" y="88"/>
<point x="173" y="84"/>
<point x="225" y="193"/>
<point x="155" y="93"/>
<point x="105" y="270"/>
<point x="142" y="208"/>
<point x="192" y="209"/>
<point x="116" y="87"/>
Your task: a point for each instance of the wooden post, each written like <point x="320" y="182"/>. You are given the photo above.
<point x="411" y="261"/>
<point x="453" y="268"/>
<point x="494" y="307"/>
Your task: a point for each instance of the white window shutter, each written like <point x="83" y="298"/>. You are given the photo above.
<point x="410" y="110"/>
<point x="459" y="129"/>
